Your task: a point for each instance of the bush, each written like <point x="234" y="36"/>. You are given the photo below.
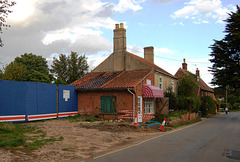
<point x="178" y="113"/>
<point x="192" y="104"/>
<point x="236" y="106"/>
<point x="158" y="118"/>
<point x="224" y="105"/>
<point x="207" y="106"/>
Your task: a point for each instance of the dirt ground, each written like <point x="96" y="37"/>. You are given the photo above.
<point x="81" y="140"/>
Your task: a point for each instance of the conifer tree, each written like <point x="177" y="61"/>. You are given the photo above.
<point x="226" y="56"/>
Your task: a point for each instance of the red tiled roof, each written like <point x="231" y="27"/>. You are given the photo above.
<point x="181" y="73"/>
<point x="111" y="80"/>
<point x="150" y="64"/>
<point x="204" y="86"/>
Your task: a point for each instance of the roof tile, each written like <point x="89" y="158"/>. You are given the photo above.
<point x="111" y="80"/>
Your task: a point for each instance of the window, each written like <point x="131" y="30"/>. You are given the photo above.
<point x="148" y="106"/>
<point x="139" y="103"/>
<point x="139" y="109"/>
<point x="108" y="105"/>
<point x="172" y="85"/>
<point x="148" y="81"/>
<point x="160" y="83"/>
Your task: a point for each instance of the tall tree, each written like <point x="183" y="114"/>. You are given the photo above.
<point x="67" y="69"/>
<point x="187" y="86"/>
<point x="226" y="56"/>
<point x="1" y="74"/>
<point x="4" y="11"/>
<point x="36" y="68"/>
<point x="15" y="71"/>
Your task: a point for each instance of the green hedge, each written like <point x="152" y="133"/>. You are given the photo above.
<point x="191" y="104"/>
<point x="207" y="106"/>
<point x="236" y="106"/>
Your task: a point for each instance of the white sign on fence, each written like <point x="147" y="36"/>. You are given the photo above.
<point x="66" y="94"/>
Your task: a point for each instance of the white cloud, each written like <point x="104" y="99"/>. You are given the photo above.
<point x="163" y="50"/>
<point x="201" y="11"/>
<point x="71" y="34"/>
<point x="125" y="5"/>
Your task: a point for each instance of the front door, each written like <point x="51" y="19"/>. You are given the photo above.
<point x="140" y="109"/>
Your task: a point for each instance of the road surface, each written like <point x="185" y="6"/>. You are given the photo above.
<point x="215" y="139"/>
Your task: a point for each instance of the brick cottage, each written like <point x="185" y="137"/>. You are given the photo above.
<point x="125" y="85"/>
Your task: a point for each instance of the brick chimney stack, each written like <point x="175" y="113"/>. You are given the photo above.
<point x="149" y="53"/>
<point x="184" y="64"/>
<point x="197" y="73"/>
<point x="119" y="38"/>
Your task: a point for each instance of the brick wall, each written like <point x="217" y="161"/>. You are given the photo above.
<point x="89" y="102"/>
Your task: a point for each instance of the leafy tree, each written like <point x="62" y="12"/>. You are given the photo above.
<point x="36" y="76"/>
<point x="1" y="74"/>
<point x="59" y="68"/>
<point x="15" y="71"/>
<point x="226" y="56"/>
<point x="187" y="86"/>
<point x="70" y="68"/>
<point x="208" y="106"/>
<point x="36" y="68"/>
<point x="34" y="62"/>
<point x="4" y="11"/>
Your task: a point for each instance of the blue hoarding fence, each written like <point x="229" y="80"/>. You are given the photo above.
<point x="28" y="101"/>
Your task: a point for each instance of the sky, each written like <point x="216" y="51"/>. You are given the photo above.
<point x="177" y="29"/>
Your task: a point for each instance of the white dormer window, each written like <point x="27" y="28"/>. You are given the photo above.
<point x="161" y="83"/>
<point x="149" y="82"/>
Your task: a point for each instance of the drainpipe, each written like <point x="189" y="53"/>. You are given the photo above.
<point x="133" y="102"/>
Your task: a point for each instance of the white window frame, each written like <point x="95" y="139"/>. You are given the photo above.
<point x="139" y="108"/>
<point x="149" y="106"/>
<point x="149" y="82"/>
<point x="161" y="82"/>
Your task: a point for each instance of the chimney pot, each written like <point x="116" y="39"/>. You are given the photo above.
<point x="117" y="26"/>
<point x="184" y="64"/>
<point x="121" y="25"/>
<point x="197" y="73"/>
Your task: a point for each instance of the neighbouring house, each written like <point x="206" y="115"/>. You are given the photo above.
<point x="125" y="85"/>
<point x="203" y="89"/>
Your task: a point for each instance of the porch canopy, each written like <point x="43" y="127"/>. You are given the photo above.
<point x="150" y="91"/>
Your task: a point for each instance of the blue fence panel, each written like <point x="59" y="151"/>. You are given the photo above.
<point x="20" y="101"/>
<point x="42" y="104"/>
<point x="12" y="101"/>
<point x="32" y="98"/>
<point x="67" y="100"/>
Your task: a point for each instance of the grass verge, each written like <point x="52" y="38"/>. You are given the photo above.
<point x="77" y="118"/>
<point x="20" y="137"/>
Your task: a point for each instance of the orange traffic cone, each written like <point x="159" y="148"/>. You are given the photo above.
<point x="162" y="128"/>
<point x="135" y="122"/>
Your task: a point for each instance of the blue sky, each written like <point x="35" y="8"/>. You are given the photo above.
<point x="176" y="29"/>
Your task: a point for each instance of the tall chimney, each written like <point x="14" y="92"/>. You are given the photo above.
<point x="149" y="53"/>
<point x="197" y="73"/>
<point x="119" y="38"/>
<point x="184" y="64"/>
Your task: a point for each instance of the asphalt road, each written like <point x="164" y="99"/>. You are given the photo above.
<point x="215" y="139"/>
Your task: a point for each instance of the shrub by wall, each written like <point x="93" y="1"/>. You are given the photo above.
<point x="191" y="104"/>
<point x="236" y="106"/>
<point x="207" y="106"/>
